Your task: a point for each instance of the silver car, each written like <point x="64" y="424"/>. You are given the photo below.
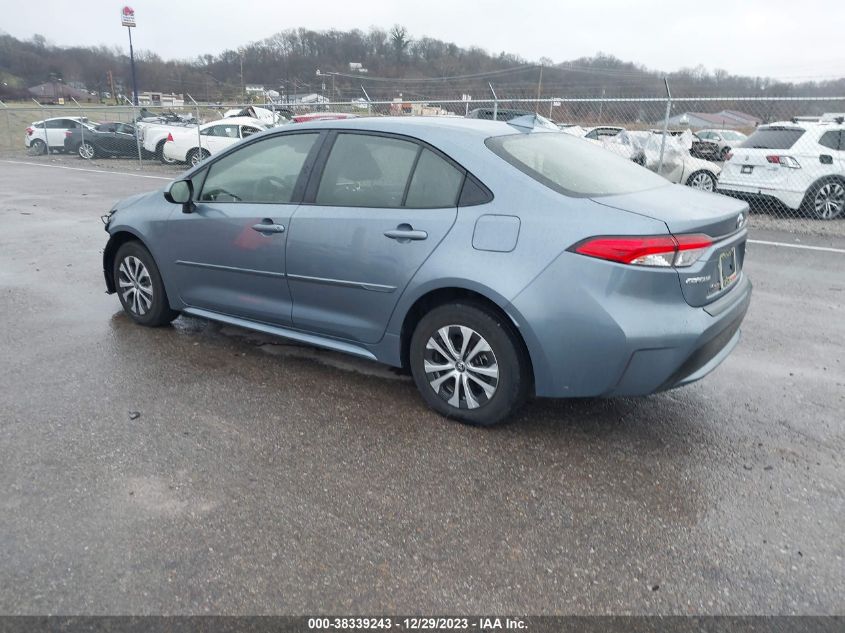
<point x="493" y="261"/>
<point x="722" y="142"/>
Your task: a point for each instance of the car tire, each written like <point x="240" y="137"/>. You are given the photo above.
<point x="825" y="200"/>
<point x="196" y="156"/>
<point x="703" y="180"/>
<point x="476" y="351"/>
<point x="139" y="286"/>
<point x="38" y="147"/>
<point x="86" y="150"/>
<point x="159" y="154"/>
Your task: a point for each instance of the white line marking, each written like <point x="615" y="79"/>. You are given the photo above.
<point x="826" y="249"/>
<point x="96" y="171"/>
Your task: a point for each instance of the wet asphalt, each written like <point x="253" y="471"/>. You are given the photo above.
<point x="205" y="469"/>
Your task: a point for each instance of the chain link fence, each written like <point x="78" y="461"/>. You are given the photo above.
<point x="784" y="155"/>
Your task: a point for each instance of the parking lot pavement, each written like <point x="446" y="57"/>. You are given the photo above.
<point x="261" y="477"/>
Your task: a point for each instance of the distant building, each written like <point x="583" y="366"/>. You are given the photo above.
<point x="160" y="99"/>
<point x="721" y="119"/>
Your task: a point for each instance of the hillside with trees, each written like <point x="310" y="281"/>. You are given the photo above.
<point x="396" y="63"/>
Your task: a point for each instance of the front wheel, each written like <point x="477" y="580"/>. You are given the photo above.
<point x="139" y="286"/>
<point x="703" y="180"/>
<point x="826" y="200"/>
<point x="469" y="364"/>
<point x="37" y="147"/>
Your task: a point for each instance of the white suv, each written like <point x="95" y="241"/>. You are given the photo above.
<point x="50" y="133"/>
<point x="801" y="165"/>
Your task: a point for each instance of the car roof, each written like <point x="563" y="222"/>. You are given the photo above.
<point x="415" y="125"/>
<point x="236" y="120"/>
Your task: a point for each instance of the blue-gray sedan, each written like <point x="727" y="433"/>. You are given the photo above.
<point x="494" y="261"/>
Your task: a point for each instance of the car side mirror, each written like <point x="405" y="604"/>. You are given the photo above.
<point x="181" y="192"/>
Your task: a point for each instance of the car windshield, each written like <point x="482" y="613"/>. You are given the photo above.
<point x="573" y="166"/>
<point x="733" y="136"/>
<point x="773" y="138"/>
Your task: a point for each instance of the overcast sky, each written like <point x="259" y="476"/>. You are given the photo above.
<point x="778" y="38"/>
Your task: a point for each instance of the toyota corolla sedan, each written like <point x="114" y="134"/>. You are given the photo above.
<point x="493" y="261"/>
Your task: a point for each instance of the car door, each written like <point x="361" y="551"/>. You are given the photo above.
<point x="55" y="130"/>
<point x="380" y="207"/>
<point x="104" y="138"/>
<point x="228" y="255"/>
<point x="125" y="143"/>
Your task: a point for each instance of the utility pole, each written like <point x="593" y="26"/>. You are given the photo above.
<point x="111" y="84"/>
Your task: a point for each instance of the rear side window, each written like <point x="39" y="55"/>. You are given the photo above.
<point x="573" y="166"/>
<point x="773" y="138"/>
<point x="435" y="183"/>
<point x="367" y="171"/>
<point x="264" y="171"/>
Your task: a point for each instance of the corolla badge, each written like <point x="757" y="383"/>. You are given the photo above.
<point x="697" y="280"/>
<point x="740" y="220"/>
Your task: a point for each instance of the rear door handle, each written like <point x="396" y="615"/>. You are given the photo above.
<point x="268" y="226"/>
<point x="405" y="233"/>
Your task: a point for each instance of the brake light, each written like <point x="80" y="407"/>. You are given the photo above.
<point x="728" y="156"/>
<point x="660" y="250"/>
<point x="29" y="131"/>
<point x="784" y="161"/>
<point x="169" y="137"/>
<point x="68" y="133"/>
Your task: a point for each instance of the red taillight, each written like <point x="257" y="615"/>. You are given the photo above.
<point x="784" y="161"/>
<point x="728" y="156"/>
<point x="68" y="132"/>
<point x="170" y="137"/>
<point x="659" y="250"/>
<point x="29" y="131"/>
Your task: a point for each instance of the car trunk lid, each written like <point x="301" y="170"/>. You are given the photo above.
<point x="691" y="212"/>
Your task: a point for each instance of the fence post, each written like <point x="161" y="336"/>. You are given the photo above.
<point x="199" y="136"/>
<point x="665" y="125"/>
<point x="495" y="102"/>
<point x="81" y="124"/>
<point x="134" y="125"/>
<point x="8" y="125"/>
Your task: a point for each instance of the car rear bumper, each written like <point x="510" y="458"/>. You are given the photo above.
<point x="595" y="328"/>
<point x="791" y="199"/>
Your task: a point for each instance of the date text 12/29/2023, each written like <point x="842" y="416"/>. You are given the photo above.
<point x="417" y="623"/>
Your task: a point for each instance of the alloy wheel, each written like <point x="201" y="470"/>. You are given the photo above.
<point x="136" y="286"/>
<point x="829" y="201"/>
<point x="86" y="150"/>
<point x="703" y="181"/>
<point x="460" y="367"/>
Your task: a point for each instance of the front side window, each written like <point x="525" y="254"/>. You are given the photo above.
<point x="248" y="130"/>
<point x="265" y="171"/>
<point x="573" y="166"/>
<point x="367" y="171"/>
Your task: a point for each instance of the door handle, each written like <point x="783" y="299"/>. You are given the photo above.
<point x="405" y="233"/>
<point x="268" y="226"/>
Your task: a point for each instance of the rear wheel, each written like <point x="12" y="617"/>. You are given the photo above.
<point x="196" y="156"/>
<point x="703" y="180"/>
<point x="826" y="200"/>
<point x="139" y="286"/>
<point x="86" y="150"/>
<point x="469" y="364"/>
<point x="37" y="147"/>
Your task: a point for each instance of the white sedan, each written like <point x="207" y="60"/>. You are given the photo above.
<point x="678" y="165"/>
<point x="186" y="146"/>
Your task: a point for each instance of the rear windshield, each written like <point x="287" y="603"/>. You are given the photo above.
<point x="573" y="166"/>
<point x="773" y="138"/>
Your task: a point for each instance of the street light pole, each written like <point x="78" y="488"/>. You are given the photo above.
<point x="132" y="63"/>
